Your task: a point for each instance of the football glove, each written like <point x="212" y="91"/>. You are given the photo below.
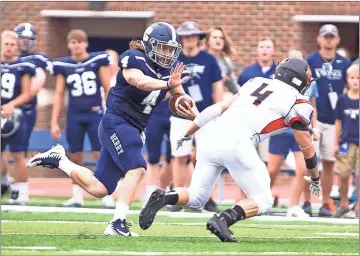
<point x="315" y="185"/>
<point x="181" y="141"/>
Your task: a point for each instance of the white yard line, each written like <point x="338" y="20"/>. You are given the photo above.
<point x="19" y="208"/>
<point x="172" y="236"/>
<point x="29" y="247"/>
<point x="338" y="234"/>
<point x="242" y="225"/>
<point x="95" y="252"/>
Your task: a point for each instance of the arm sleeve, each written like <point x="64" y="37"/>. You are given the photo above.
<point x="105" y="59"/>
<point x="131" y="61"/>
<point x="29" y="68"/>
<point x="57" y="68"/>
<point x="302" y="112"/>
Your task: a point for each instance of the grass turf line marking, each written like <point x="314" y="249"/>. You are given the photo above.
<point x="283" y="226"/>
<point x="29" y="247"/>
<point x="20" y="208"/>
<point x="94" y="252"/>
<point x="338" y="234"/>
<point x="175" y="236"/>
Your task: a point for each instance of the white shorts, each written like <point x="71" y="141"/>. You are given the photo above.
<point x="243" y="162"/>
<point x="178" y="128"/>
<point x="327" y="139"/>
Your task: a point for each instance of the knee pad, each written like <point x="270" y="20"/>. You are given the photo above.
<point x="264" y="201"/>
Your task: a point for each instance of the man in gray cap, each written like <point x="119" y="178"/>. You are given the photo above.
<point x="205" y="87"/>
<point x="330" y="70"/>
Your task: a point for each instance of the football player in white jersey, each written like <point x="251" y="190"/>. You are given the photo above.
<point x="262" y="107"/>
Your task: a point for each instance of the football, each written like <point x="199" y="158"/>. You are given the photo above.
<point x="177" y="99"/>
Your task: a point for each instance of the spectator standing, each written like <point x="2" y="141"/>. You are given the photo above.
<point x="330" y="70"/>
<point x="346" y="144"/>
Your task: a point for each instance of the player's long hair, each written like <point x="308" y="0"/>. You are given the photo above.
<point x="136" y="45"/>
<point x="229" y="50"/>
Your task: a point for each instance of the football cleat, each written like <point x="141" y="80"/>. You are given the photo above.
<point x="218" y="226"/>
<point x="119" y="228"/>
<point x="17" y="199"/>
<point x="72" y="202"/>
<point x="50" y="158"/>
<point x="296" y="211"/>
<point x="148" y="213"/>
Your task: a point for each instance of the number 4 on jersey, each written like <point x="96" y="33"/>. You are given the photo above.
<point x="260" y="96"/>
<point x="150" y="101"/>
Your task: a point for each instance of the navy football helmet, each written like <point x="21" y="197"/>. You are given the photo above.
<point x="27" y="37"/>
<point x="295" y="72"/>
<point x="11" y="124"/>
<point x="161" y="43"/>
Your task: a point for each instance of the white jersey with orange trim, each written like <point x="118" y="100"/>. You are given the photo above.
<point x="263" y="108"/>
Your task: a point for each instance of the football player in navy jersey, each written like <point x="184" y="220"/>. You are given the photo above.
<point x="147" y="71"/>
<point x="27" y="42"/>
<point x="82" y="74"/>
<point x="330" y="70"/>
<point x="15" y="92"/>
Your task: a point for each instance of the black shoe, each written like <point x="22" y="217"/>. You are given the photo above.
<point x="219" y="227"/>
<point x="4" y="189"/>
<point x="211" y="206"/>
<point x="325" y="211"/>
<point x="307" y="208"/>
<point x="148" y="213"/>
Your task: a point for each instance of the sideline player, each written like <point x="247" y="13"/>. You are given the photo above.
<point x="15" y="92"/>
<point x="147" y="71"/>
<point x="261" y="108"/>
<point x="82" y="74"/>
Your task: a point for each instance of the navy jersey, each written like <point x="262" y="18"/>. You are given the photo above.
<point x="40" y="61"/>
<point x="163" y="108"/>
<point x="82" y="79"/>
<point x="11" y="74"/>
<point x="255" y="70"/>
<point x="347" y="111"/>
<point x="331" y="78"/>
<point x="203" y="70"/>
<point x="133" y="104"/>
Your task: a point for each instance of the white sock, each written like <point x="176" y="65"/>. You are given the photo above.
<point x="24" y="189"/>
<point x="15" y="186"/>
<point x="67" y="166"/>
<point x="148" y="191"/>
<point x="5" y="180"/>
<point x="77" y="193"/>
<point x="121" y="211"/>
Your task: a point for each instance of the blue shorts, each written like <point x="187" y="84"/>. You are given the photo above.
<point x="282" y="144"/>
<point x="79" y="123"/>
<point x="17" y="142"/>
<point x="30" y="117"/>
<point x="121" y="150"/>
<point x="158" y="126"/>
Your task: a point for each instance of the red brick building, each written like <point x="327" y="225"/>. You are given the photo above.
<point x="290" y="24"/>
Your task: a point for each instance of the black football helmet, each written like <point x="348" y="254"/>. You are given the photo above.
<point x="295" y="72"/>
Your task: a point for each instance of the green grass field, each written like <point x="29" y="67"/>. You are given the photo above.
<point x="81" y="234"/>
